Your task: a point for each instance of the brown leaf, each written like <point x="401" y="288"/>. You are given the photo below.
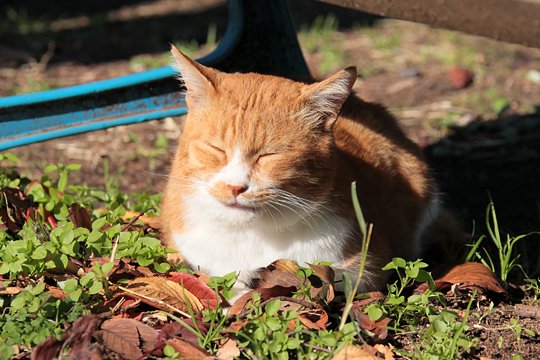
<point x="379" y="327"/>
<point x="79" y="217"/>
<point x="325" y="272"/>
<point x="164" y="294"/>
<point x="9" y="290"/>
<point x="13" y="212"/>
<point x="385" y="350"/>
<point x="351" y="352"/>
<point x="57" y="292"/>
<point x="78" y="337"/>
<point x="129" y="338"/>
<point x="228" y="350"/>
<point x="371" y="297"/>
<point x="327" y="275"/>
<point x="188" y="350"/>
<point x="316" y="318"/>
<point x="47" y="350"/>
<point x="266" y="294"/>
<point x="470" y="275"/>
<point x="177" y="329"/>
<point x="203" y="292"/>
<point x="279" y="273"/>
<point x="152" y="221"/>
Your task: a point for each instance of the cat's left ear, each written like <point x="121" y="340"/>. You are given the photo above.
<point x="198" y="79"/>
<point x="324" y="99"/>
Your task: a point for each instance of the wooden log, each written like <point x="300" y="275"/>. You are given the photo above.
<point x="516" y="21"/>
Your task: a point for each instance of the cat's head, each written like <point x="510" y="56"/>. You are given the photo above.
<point x="256" y="146"/>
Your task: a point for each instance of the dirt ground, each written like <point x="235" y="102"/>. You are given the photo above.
<point x="482" y="140"/>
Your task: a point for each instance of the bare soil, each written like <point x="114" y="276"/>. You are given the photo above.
<point x="477" y="147"/>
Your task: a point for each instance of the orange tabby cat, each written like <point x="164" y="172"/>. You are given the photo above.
<point x="263" y="172"/>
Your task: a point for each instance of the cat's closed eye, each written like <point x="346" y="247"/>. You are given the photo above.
<point x="206" y="154"/>
<point x="216" y="148"/>
<point x="267" y="157"/>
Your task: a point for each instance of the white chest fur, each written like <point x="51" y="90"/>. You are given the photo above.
<point x="217" y="250"/>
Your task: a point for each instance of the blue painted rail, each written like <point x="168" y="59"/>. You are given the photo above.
<point x="260" y="37"/>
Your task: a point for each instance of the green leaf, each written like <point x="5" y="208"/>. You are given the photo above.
<point x="11" y="157"/>
<point x="399" y="262"/>
<point x="70" y="285"/>
<point x="107" y="267"/>
<point x="18" y="303"/>
<point x="272" y="307"/>
<point x="412" y="272"/>
<point x="259" y="334"/>
<point x="169" y="351"/>
<point x="38" y="289"/>
<point x="50" y="168"/>
<point x="75" y="295"/>
<point x="374" y="312"/>
<point x="273" y="323"/>
<point x="393" y="300"/>
<point x="162" y="267"/>
<point x="39" y="253"/>
<point x="95" y="288"/>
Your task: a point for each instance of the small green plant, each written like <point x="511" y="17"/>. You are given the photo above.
<point x="224" y="284"/>
<point x="49" y="241"/>
<point x="274" y="333"/>
<point x="406" y="310"/>
<point x="445" y="337"/>
<point x="506" y="260"/>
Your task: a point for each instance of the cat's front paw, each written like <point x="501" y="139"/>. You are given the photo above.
<point x="175" y="258"/>
<point x="240" y="288"/>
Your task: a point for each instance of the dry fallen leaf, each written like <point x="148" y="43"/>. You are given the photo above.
<point x="266" y="294"/>
<point x="385" y="350"/>
<point x="228" y="350"/>
<point x="77" y="336"/>
<point x="351" y="352"/>
<point x="181" y="330"/>
<point x="202" y="291"/>
<point x="187" y="350"/>
<point x="129" y="338"/>
<point x="379" y="327"/>
<point x="469" y="275"/>
<point x="152" y="221"/>
<point x="9" y="290"/>
<point x="79" y="217"/>
<point x="164" y="294"/>
<point x="315" y="318"/>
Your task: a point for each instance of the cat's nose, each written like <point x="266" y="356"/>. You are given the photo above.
<point x="237" y="189"/>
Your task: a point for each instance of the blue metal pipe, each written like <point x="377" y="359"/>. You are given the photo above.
<point x="259" y="34"/>
<point x="153" y="94"/>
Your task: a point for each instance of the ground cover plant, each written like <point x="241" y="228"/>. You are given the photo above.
<point x="84" y="276"/>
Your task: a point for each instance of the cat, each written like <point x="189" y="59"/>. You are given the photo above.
<point x="263" y="171"/>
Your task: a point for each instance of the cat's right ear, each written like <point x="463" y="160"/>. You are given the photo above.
<point x="324" y="99"/>
<point x="198" y="79"/>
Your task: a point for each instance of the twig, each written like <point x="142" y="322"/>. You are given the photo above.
<point x="320" y="348"/>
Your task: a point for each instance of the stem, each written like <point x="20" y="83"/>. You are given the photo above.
<point x="366" y="238"/>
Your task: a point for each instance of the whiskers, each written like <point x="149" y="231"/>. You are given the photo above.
<point x="184" y="181"/>
<point x="310" y="212"/>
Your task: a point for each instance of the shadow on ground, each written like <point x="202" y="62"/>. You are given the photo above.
<point x="498" y="159"/>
